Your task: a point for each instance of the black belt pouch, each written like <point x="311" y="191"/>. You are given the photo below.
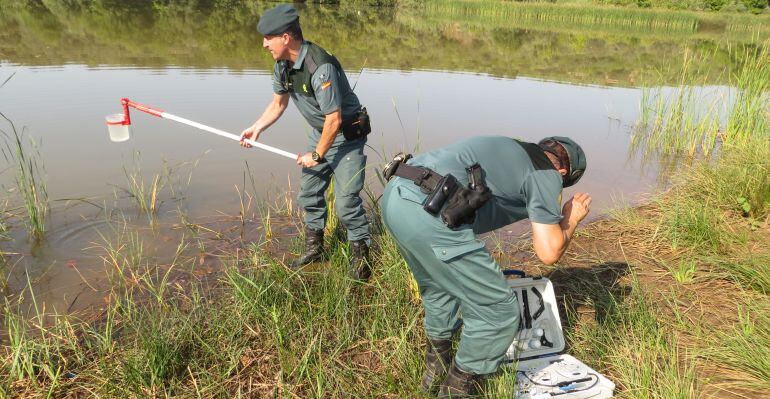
<point x="357" y="127"/>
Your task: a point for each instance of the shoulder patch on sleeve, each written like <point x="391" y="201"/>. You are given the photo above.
<point x="325" y="85"/>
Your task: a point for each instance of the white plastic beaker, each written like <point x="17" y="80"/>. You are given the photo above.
<point x="119" y="131"/>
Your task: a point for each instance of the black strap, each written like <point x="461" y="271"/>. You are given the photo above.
<point x="423" y="177"/>
<point x="527" y="314"/>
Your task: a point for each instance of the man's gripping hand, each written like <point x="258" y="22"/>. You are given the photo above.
<point x="306" y="160"/>
<point x="577" y="208"/>
<point x="250" y="133"/>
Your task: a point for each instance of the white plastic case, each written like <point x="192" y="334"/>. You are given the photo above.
<point x="542" y="370"/>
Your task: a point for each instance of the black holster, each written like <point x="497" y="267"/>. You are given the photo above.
<point x="357" y="127"/>
<point x="462" y="206"/>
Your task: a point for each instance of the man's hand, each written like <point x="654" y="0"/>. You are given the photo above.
<point x="307" y="160"/>
<point x="251" y="133"/>
<point x="551" y="240"/>
<point x="577" y="208"/>
<point x="273" y="111"/>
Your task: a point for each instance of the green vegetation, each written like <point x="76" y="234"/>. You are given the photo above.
<point x="640" y="350"/>
<point x="708" y="230"/>
<point x="691" y="119"/>
<point x="21" y="152"/>
<point x="577" y="16"/>
<point x="729" y="184"/>
<point x="260" y="320"/>
<point x="753" y="6"/>
<point x="736" y="348"/>
<point x="145" y="195"/>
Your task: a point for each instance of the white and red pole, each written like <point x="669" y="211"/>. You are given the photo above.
<point x="162" y="114"/>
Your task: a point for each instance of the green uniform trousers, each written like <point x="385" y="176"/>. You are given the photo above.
<point x="346" y="163"/>
<point x="457" y="277"/>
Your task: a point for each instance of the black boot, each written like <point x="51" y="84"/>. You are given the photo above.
<point x="359" y="268"/>
<point x="438" y="357"/>
<point x="459" y="384"/>
<point x="314" y="248"/>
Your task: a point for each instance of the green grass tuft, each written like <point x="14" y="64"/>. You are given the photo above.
<point x="640" y="351"/>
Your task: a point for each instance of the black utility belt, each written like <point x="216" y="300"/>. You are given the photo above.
<point x="461" y="202"/>
<point x="357" y="127"/>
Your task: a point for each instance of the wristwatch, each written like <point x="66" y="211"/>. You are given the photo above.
<point x="316" y="157"/>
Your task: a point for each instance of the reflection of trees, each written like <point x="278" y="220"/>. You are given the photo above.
<point x="221" y="33"/>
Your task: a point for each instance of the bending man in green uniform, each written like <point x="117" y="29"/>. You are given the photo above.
<point x="460" y="282"/>
<point x="315" y="81"/>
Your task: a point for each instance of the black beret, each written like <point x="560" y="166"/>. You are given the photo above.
<point x="276" y="21"/>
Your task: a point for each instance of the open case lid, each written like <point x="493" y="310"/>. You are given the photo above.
<point x="540" y="332"/>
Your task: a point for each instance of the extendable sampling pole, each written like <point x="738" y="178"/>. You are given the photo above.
<point x="162" y="114"/>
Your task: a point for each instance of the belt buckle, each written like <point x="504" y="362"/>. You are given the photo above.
<point x="392" y="166"/>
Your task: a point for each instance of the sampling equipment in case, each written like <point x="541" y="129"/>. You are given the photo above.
<point x="543" y="370"/>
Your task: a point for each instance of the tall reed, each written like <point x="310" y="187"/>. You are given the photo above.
<point x="750" y="112"/>
<point x="23" y="152"/>
<point x="695" y="120"/>
<point x="679" y="120"/>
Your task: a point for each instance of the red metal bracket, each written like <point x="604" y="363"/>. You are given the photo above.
<point x="141" y="107"/>
<point x="126" y="115"/>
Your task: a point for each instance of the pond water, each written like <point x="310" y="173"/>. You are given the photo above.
<point x="425" y="82"/>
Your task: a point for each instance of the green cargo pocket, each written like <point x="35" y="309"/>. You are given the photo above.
<point x="409" y="195"/>
<point x="447" y="253"/>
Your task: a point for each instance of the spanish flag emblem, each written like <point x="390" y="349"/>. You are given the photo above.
<point x="325" y="85"/>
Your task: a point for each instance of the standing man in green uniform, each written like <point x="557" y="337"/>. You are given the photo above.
<point x="460" y="282"/>
<point x="315" y="81"/>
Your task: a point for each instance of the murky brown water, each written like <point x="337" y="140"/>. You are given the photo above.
<point x="71" y="71"/>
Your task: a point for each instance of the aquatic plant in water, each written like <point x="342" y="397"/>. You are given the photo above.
<point x="145" y="195"/>
<point x="23" y="152"/>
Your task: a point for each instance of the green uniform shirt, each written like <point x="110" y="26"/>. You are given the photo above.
<point x="331" y="88"/>
<point x="523" y="181"/>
